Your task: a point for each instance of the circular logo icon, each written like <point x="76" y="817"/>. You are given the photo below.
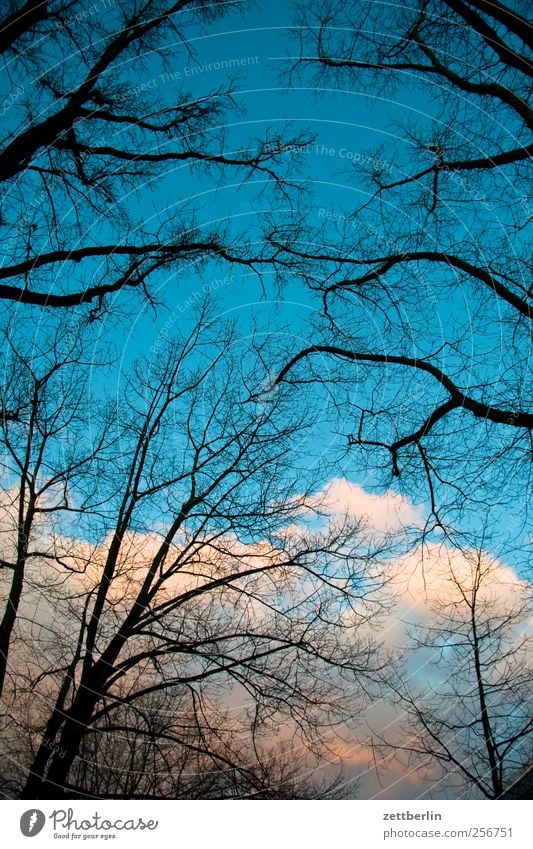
<point x="32" y="822"/>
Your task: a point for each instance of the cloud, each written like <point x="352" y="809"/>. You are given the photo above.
<point x="425" y="577"/>
<point x="435" y="573"/>
<point x="384" y="513"/>
<point x="425" y="581"/>
<point x="367" y="775"/>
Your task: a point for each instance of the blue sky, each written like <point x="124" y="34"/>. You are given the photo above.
<point x="344" y="123"/>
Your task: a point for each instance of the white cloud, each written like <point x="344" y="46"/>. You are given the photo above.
<point x="437" y="573"/>
<point x="385" y="513"/>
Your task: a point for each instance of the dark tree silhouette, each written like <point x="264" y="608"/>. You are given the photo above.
<point x="197" y="582"/>
<point x="425" y="293"/>
<point x="181" y="614"/>
<point x="48" y="456"/>
<point x="469" y="726"/>
<point x="92" y="123"/>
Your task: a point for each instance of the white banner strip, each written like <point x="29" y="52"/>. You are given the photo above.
<point x="270" y="825"/>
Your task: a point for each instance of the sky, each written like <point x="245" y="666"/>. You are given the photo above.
<point x="342" y="124"/>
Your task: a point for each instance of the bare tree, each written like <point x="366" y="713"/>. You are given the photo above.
<point x="158" y="749"/>
<point x="48" y="453"/>
<point x="434" y="261"/>
<point x="205" y="579"/>
<point x="464" y="693"/>
<point x="94" y="116"/>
